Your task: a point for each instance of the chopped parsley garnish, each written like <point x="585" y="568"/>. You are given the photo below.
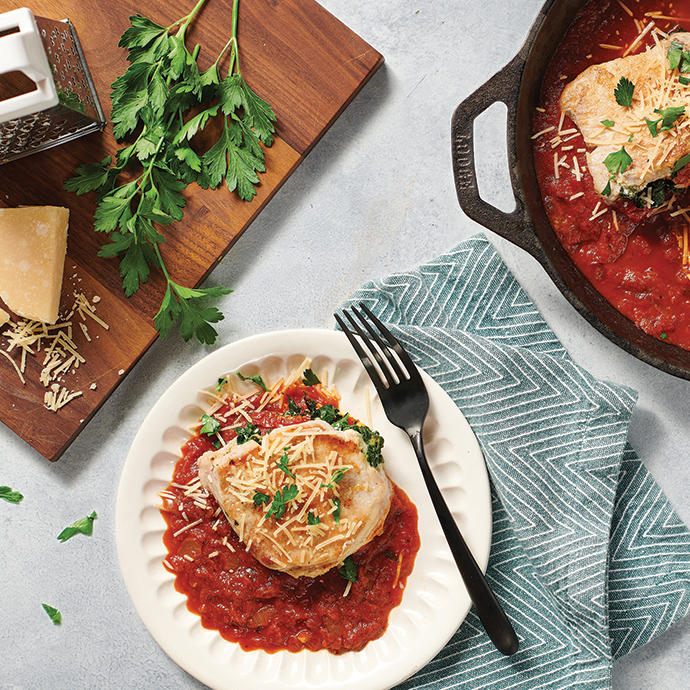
<point x="248" y="432"/>
<point x="674" y="54"/>
<point x="309" y="378"/>
<point x="624" y="92"/>
<point x="336" y="477"/>
<point x="348" y="570"/>
<point x="329" y="414"/>
<point x="83" y="526"/>
<point x="293" y="409"/>
<point x="10" y="496"/>
<point x="53" y="614"/>
<point x="667" y="119"/>
<point x="313" y="519"/>
<point x="336" y="512"/>
<point x="616" y="162"/>
<point x="220" y="384"/>
<point x="681" y="163"/>
<point x="678" y="57"/>
<point x="255" y="379"/>
<point x="261" y="498"/>
<point x="663" y="336"/>
<point x="210" y="425"/>
<point x="608" y="123"/>
<point x="283" y="465"/>
<point x="280" y="501"/>
<point x="390" y="555"/>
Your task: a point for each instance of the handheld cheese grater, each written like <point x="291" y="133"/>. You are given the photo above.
<point x="47" y="96"/>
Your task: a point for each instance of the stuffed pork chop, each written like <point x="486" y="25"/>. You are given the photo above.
<point x="302" y="500"/>
<point x="631" y="112"/>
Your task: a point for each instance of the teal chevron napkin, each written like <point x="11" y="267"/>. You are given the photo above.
<point x="588" y="557"/>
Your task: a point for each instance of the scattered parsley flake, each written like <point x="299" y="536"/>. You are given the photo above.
<point x="53" y="614"/>
<point x="348" y="570"/>
<point x="7" y="494"/>
<point x="82" y="526"/>
<point x="608" y="123"/>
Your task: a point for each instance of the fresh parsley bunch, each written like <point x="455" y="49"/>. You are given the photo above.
<point x="151" y="107"/>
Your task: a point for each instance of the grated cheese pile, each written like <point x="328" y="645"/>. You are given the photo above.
<point x="56" y="344"/>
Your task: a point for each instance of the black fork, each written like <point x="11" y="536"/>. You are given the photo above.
<point x="406" y="402"/>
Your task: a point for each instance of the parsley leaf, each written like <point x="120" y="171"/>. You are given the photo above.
<point x="293" y="408"/>
<point x="220" y="384"/>
<point x="261" y="498"/>
<point x="283" y="465"/>
<point x="618" y="161"/>
<point x="675" y="51"/>
<point x="53" y="614"/>
<point x="210" y="425"/>
<point x="82" y="526"/>
<point x="336" y="478"/>
<point x="313" y="519"/>
<point x="248" y="432"/>
<point x="280" y="501"/>
<point x="348" y="570"/>
<point x="667" y="119"/>
<point x="608" y="123"/>
<point x="10" y="496"/>
<point x="681" y="163"/>
<point x="624" y="92"/>
<point x="256" y="379"/>
<point x="309" y="378"/>
<point x="161" y="102"/>
<point x="336" y="512"/>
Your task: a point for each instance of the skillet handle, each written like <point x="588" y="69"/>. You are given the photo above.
<point x="515" y="226"/>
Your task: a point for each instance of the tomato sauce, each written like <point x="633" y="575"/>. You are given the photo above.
<point x="260" y="608"/>
<point x="634" y="260"/>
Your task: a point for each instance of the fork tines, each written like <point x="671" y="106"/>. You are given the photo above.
<point x="386" y="362"/>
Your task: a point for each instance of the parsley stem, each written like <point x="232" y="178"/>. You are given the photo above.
<point x="236" y="53"/>
<point x="161" y="263"/>
<point x="188" y="19"/>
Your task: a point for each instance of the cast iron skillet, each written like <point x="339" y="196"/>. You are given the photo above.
<point x="518" y="85"/>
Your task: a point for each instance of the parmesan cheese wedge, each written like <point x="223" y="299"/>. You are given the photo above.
<point x="33" y="243"/>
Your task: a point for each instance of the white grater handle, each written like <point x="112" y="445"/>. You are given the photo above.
<point x="22" y="51"/>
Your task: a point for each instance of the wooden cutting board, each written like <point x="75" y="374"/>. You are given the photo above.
<point x="295" y="55"/>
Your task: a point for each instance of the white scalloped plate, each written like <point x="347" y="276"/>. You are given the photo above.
<point x="435" y="601"/>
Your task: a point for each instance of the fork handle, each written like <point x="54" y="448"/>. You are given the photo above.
<point x="487" y="606"/>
